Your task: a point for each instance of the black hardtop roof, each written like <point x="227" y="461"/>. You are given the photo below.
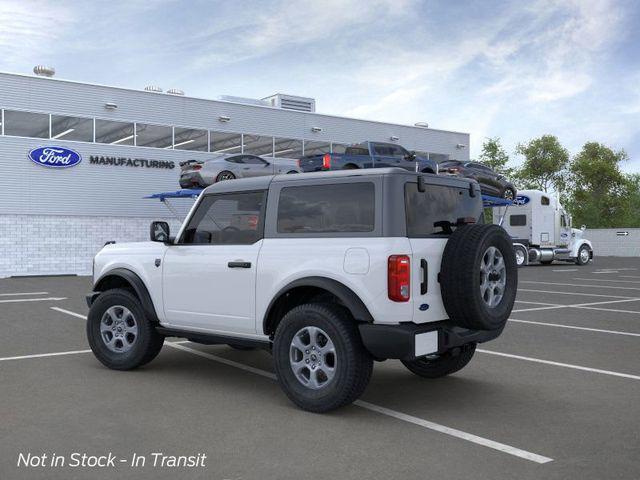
<point x="263" y="183"/>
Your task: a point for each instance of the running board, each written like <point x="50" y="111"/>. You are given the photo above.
<point x="214" y="339"/>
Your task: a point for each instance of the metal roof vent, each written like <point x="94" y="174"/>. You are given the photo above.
<point x="153" y="88"/>
<point x="44" y="71"/>
<point x="175" y="91"/>
<point x="292" y="102"/>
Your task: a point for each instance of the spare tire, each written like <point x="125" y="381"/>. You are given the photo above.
<point x="479" y="277"/>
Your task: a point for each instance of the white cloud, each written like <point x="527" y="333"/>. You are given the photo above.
<point x="30" y="29"/>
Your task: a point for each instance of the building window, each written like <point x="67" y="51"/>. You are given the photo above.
<point x="157" y="136"/>
<point x="257" y="145"/>
<point x="71" y="128"/>
<point x="115" y="133"/>
<point x="287" y="148"/>
<point x="190" y="139"/>
<point x="26" y="124"/>
<point x="338" y="148"/>
<point x="225" y="142"/>
<point x="316" y="148"/>
<point x="339" y="208"/>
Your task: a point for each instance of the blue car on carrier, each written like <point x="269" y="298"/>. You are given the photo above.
<point x="369" y="155"/>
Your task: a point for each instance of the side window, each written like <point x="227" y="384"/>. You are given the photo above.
<point x="253" y="160"/>
<point x="339" y="208"/>
<point x="398" y="151"/>
<point x="518" y="220"/>
<point x="236" y="159"/>
<point x="227" y="219"/>
<point x="563" y="221"/>
<point x="383" y="150"/>
<point x="544" y="201"/>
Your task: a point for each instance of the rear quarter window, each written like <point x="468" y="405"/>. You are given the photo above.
<point x="338" y="208"/>
<point x="427" y="213"/>
<point x="518" y="220"/>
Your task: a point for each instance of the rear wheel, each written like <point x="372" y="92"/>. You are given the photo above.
<point x="225" y="175"/>
<point x="119" y="333"/>
<point x="319" y="358"/>
<point x="435" y="366"/>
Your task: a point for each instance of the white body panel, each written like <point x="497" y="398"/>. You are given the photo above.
<point x="140" y="258"/>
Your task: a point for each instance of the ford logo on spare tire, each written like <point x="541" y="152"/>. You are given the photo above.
<point x="55" y="157"/>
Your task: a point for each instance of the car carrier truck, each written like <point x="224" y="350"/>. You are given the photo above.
<point x="541" y="230"/>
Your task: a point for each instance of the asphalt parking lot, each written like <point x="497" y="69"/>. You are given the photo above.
<point x="555" y="397"/>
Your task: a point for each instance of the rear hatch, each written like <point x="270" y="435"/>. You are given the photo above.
<point x="431" y="217"/>
<point x="191" y="166"/>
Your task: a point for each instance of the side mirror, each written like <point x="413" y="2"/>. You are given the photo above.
<point x="410" y="156"/>
<point x="159" y="232"/>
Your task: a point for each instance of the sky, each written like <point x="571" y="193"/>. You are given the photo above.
<point x="509" y="69"/>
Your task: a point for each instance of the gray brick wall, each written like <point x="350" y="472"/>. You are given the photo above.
<point x="607" y="242"/>
<point x="53" y="245"/>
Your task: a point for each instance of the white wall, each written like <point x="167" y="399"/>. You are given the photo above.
<point x="56" y="245"/>
<point x="608" y="243"/>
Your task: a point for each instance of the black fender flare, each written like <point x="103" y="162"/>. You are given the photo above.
<point x="136" y="283"/>
<point x="347" y="296"/>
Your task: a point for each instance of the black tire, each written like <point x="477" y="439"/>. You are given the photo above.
<point x="445" y="364"/>
<point x="509" y="194"/>
<point x="242" y="348"/>
<point x="353" y="364"/>
<point x="291" y="172"/>
<point x="350" y="166"/>
<point x="460" y="277"/>
<point x="225" y="175"/>
<point x="521" y="255"/>
<point x="579" y="260"/>
<point x="147" y="344"/>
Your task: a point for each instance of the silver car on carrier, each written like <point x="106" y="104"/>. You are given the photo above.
<point x="198" y="173"/>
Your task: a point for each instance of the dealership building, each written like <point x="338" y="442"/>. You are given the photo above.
<point x="119" y="145"/>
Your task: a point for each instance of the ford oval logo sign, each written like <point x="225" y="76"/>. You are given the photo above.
<point x="55" y="157"/>
<point x="521" y="200"/>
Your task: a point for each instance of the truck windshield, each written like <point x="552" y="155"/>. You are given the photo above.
<point x="437" y="210"/>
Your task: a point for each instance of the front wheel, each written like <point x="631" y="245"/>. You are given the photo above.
<point x="319" y="358"/>
<point x="436" y="366"/>
<point x="521" y="254"/>
<point x="584" y="255"/>
<point x="119" y="333"/>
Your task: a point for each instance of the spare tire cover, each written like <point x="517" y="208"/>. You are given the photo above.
<point x="479" y="277"/>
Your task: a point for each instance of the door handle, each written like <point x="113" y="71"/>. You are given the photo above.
<point x="425" y="276"/>
<point x="239" y="264"/>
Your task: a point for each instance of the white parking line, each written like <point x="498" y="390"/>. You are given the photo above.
<point x="573" y="327"/>
<point x="539" y="303"/>
<point x="559" y="364"/>
<point x="580" y="305"/>
<point x="567" y="270"/>
<point x="27" y="293"/>
<point x="533" y="457"/>
<point x="535" y="309"/>
<point x="62" y="310"/>
<point x="49" y="299"/>
<point x="606" y="280"/>
<point x="575" y="293"/>
<point x="629" y="276"/>
<point x="485" y="442"/>
<point x="609" y="309"/>
<point x="42" y="355"/>
<point x="581" y="285"/>
<point x="391" y="413"/>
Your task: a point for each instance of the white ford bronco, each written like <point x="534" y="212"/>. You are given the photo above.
<point x="329" y="271"/>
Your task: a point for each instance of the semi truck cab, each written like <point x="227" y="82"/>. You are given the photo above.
<point x="542" y="231"/>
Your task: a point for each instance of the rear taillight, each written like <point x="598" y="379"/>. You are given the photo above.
<point x="196" y="167"/>
<point x="326" y="161"/>
<point x="398" y="278"/>
<point x="298" y="163"/>
<point x="453" y="170"/>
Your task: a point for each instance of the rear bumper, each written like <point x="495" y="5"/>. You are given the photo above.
<point x="190" y="180"/>
<point x="409" y="341"/>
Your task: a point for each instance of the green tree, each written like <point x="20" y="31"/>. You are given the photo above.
<point x="494" y="156"/>
<point x="545" y="164"/>
<point x="599" y="193"/>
